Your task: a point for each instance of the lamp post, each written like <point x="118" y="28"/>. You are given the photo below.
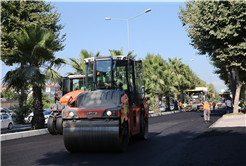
<point x="146" y="11"/>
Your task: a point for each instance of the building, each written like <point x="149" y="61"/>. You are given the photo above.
<point x="50" y="90"/>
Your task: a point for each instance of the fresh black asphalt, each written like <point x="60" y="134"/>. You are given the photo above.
<point x="177" y="140"/>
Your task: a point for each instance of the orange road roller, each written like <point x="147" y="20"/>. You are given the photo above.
<point x="112" y="108"/>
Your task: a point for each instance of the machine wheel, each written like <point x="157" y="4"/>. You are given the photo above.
<point x="51" y="126"/>
<point x="144" y="127"/>
<point x="10" y="126"/>
<point x="59" y="125"/>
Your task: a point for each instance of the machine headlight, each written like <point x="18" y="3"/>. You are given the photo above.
<point x="71" y="114"/>
<point x="68" y="113"/>
<point x="109" y="113"/>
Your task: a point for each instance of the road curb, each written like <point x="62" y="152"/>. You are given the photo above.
<point x="234" y="116"/>
<point x="165" y="113"/>
<point x="10" y="136"/>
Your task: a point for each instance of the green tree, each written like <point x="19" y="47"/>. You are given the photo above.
<point x="120" y="52"/>
<point x="46" y="101"/>
<point x="17" y="15"/>
<point x="182" y="75"/>
<point x="9" y="94"/>
<point x="36" y="46"/>
<point x="158" y="79"/>
<point x="217" y="28"/>
<point x="77" y="64"/>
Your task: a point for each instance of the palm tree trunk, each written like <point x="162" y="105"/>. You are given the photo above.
<point x="175" y="101"/>
<point x="167" y="103"/>
<point x="38" y="118"/>
<point x="22" y="101"/>
<point x="156" y="102"/>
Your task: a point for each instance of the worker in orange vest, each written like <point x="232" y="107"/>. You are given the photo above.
<point x="56" y="96"/>
<point x="214" y="104"/>
<point x="206" y="112"/>
<point x="180" y="105"/>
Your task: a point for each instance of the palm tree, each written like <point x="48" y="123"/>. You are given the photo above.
<point x="120" y="52"/>
<point x="77" y="64"/>
<point x="158" y="79"/>
<point x="182" y="75"/>
<point x="35" y="49"/>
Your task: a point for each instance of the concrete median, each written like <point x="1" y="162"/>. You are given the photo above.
<point x="10" y="136"/>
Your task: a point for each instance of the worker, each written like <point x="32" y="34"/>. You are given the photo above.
<point x="180" y="105"/>
<point x="206" y="112"/>
<point x="228" y="105"/>
<point x="56" y="96"/>
<point x="214" y="104"/>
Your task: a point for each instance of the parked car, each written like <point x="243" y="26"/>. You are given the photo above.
<point x="6" y="110"/>
<point x="6" y="121"/>
<point x="171" y="107"/>
<point x="162" y="108"/>
<point x="46" y="113"/>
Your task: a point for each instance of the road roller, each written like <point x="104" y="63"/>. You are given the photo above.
<point x="72" y="86"/>
<point x="112" y="109"/>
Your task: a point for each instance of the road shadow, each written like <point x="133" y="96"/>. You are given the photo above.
<point x="214" y="147"/>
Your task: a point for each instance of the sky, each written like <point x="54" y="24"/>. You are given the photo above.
<point x="159" y="31"/>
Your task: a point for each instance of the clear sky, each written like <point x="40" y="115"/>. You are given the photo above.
<point x="157" y="32"/>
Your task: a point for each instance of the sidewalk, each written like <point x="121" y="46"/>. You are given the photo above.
<point x="230" y="121"/>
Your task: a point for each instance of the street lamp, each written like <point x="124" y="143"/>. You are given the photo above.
<point x="146" y="11"/>
<point x="189" y="60"/>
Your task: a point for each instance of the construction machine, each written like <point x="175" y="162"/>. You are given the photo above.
<point x="222" y="98"/>
<point x="112" y="108"/>
<point x="72" y="85"/>
<point x="195" y="98"/>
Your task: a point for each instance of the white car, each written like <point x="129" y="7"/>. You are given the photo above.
<point x="46" y="116"/>
<point x="6" y="121"/>
<point x="6" y="110"/>
<point x="171" y="107"/>
<point x="162" y="108"/>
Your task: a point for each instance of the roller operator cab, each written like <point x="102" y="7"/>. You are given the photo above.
<point x="72" y="86"/>
<point x="112" y="108"/>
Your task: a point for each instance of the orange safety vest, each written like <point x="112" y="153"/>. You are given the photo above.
<point x="180" y="104"/>
<point x="214" y="104"/>
<point x="206" y="106"/>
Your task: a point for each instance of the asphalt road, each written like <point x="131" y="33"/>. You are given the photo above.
<point x="176" y="139"/>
